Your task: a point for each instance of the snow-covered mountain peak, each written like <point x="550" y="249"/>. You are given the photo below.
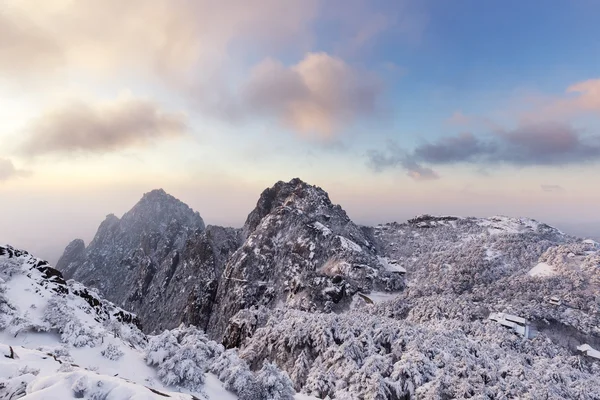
<point x="294" y="195"/>
<point x="133" y="259"/>
<point x="303" y="251"/>
<point x="503" y="224"/>
<point x="157" y="209"/>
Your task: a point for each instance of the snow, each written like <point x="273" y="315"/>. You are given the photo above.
<point x="501" y="224"/>
<point x="56" y="343"/>
<point x="380" y="297"/>
<point x="491" y="254"/>
<point x="322" y="228"/>
<point x="542" y="269"/>
<point x="589" y="350"/>
<point x="349" y="244"/>
<point x="388" y="265"/>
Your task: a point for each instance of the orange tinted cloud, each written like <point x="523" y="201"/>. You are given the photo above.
<point x="170" y="36"/>
<point x="315" y="97"/>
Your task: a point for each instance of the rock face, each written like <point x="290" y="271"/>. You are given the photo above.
<point x="133" y="259"/>
<point x="186" y="285"/>
<point x="300" y="250"/>
<point x="73" y="256"/>
<point x="296" y="248"/>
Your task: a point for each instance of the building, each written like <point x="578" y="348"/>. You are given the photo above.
<point x="589" y="351"/>
<point x="554" y="301"/>
<point x="517" y="324"/>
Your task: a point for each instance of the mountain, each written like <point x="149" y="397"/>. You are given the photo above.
<point x="142" y="260"/>
<point x="435" y="339"/>
<point x="302" y="251"/>
<point x="61" y="340"/>
<point x="437" y="307"/>
<point x="296" y="248"/>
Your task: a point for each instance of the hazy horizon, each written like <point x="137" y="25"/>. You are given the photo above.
<point x="64" y="224"/>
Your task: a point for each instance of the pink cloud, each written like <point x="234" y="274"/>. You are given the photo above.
<point x="582" y="98"/>
<point x="315" y="97"/>
<point x="458" y="118"/>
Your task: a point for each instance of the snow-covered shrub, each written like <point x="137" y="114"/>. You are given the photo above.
<point x="182" y="356"/>
<point x="5" y="308"/>
<point x="368" y="356"/>
<point x="60" y="316"/>
<point x="274" y="384"/>
<point x="236" y="376"/>
<point x="112" y="352"/>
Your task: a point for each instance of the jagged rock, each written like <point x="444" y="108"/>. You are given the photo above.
<point x="300" y="250"/>
<point x="186" y="285"/>
<point x="133" y="259"/>
<point x="73" y="256"/>
<point x="296" y="247"/>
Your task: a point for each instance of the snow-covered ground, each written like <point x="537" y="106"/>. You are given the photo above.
<point x="542" y="269"/>
<point x="59" y="340"/>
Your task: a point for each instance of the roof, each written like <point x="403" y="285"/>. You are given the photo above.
<point x="508" y="317"/>
<point x="589" y="351"/>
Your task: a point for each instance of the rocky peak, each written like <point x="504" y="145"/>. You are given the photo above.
<point x="136" y="255"/>
<point x="157" y="210"/>
<point x="295" y="194"/>
<point x="300" y="250"/>
<point x="73" y="255"/>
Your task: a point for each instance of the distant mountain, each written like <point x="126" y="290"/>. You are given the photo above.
<point x="143" y="261"/>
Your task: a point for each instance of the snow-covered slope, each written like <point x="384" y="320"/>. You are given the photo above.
<point x="60" y="340"/>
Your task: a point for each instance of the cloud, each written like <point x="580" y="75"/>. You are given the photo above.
<point x="100" y="128"/>
<point x="172" y="37"/>
<point x="542" y="144"/>
<point x="356" y="25"/>
<point x="315" y="97"/>
<point x="552" y="188"/>
<point x="8" y="170"/>
<point x="547" y="143"/>
<point x="418" y="172"/>
<point x="582" y="98"/>
<point x="464" y="147"/>
<point x="395" y="156"/>
<point x="458" y="118"/>
<point x="25" y="48"/>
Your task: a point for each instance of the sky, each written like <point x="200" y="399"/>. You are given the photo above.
<point x="395" y="107"/>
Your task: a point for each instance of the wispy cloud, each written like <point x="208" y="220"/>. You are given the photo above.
<point x="9" y="171"/>
<point x="552" y="188"/>
<point x="168" y="36"/>
<point x="544" y="144"/>
<point x="396" y="157"/>
<point x="581" y="98"/>
<point x="99" y="128"/>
